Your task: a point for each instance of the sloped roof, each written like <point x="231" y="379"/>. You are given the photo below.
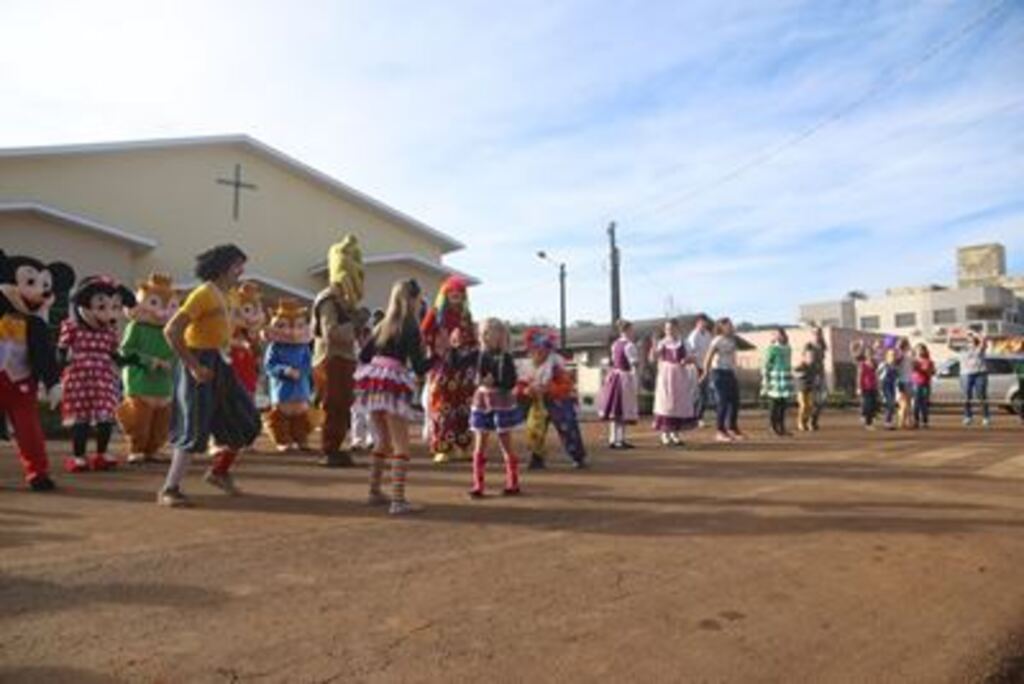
<point x="330" y="183"/>
<point x="79" y="221"/>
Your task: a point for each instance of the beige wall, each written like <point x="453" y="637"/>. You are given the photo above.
<point x="171" y="195"/>
<point x="49" y="240"/>
<point x="380" y="278"/>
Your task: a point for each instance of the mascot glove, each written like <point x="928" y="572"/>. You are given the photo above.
<point x="53" y="396"/>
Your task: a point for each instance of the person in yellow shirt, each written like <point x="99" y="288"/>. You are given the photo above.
<point x="210" y="401"/>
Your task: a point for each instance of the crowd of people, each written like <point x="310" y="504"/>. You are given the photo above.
<point x="187" y="373"/>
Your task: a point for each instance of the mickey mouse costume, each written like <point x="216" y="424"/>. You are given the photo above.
<point x="28" y="289"/>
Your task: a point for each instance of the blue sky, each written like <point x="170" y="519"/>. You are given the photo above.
<point x="755" y="154"/>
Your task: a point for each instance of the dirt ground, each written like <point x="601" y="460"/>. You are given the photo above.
<point x="840" y="556"/>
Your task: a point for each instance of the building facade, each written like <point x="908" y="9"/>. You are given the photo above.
<point x="131" y="208"/>
<point x="985" y="300"/>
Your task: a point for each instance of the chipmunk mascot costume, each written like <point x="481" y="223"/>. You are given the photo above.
<point x="89" y="346"/>
<point x="28" y="288"/>
<point x="451" y="388"/>
<point x="288" y="363"/>
<point x="335" y="318"/>
<point x="248" y="319"/>
<point x="148" y="379"/>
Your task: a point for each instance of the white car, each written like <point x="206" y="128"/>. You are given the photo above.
<point x="1003" y="386"/>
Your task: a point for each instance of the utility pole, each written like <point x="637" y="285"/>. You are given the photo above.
<point x="563" y="333"/>
<point x="616" y="296"/>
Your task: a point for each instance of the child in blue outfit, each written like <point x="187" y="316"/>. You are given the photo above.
<point x="288" y="363"/>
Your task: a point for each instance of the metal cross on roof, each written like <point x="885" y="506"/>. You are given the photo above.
<point x="238" y="185"/>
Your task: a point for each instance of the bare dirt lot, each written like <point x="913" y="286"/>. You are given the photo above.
<point x="834" y="557"/>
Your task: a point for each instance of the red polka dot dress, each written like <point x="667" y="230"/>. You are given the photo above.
<point x="90" y="381"/>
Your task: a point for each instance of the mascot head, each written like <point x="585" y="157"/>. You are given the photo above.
<point x="345" y="270"/>
<point x="289" y="323"/>
<point x="99" y="301"/>
<point x="247" y="313"/>
<point x="30" y="285"/>
<point x="156" y="300"/>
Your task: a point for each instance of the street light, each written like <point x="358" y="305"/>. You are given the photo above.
<point x="563" y="334"/>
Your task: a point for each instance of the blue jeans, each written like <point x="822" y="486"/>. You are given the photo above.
<point x="889" y="390"/>
<point x="705" y="398"/>
<point x="976" y="386"/>
<point x="728" y="390"/>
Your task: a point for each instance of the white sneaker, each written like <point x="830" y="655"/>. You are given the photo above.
<point x="968" y="421"/>
<point x="987" y="422"/>
<point x="665" y="439"/>
<point x="403" y="508"/>
<point x="674" y="439"/>
<point x="136" y="459"/>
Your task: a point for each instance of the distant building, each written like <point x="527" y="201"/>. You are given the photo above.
<point x="985" y="300"/>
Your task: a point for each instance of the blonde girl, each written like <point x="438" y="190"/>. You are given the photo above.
<point x="393" y="357"/>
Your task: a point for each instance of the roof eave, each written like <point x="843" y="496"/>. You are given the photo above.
<point x="448" y="243"/>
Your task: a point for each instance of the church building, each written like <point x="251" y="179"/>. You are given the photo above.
<point x="132" y="208"/>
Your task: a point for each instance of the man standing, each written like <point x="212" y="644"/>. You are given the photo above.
<point x="334" y="347"/>
<point x="697" y="345"/>
<point x="210" y="400"/>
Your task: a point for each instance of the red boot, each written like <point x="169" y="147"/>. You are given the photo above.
<point x="102" y="462"/>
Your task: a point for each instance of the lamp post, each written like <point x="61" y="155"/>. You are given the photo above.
<point x="562" y="332"/>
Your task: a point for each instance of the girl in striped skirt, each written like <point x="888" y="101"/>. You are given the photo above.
<point x="393" y="356"/>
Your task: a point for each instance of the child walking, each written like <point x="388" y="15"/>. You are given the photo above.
<point x="888" y="380"/>
<point x="494" y="408"/>
<point x="867" y="384"/>
<point x="618" y="398"/>
<point x="720" y="364"/>
<point x="905" y="383"/>
<point x="805" y="381"/>
<point x="392" y="358"/>
<point x="362" y="435"/>
<point x="675" y="388"/>
<point x="777" y="380"/>
<point x="552" y="398"/>
<point x="924" y="370"/>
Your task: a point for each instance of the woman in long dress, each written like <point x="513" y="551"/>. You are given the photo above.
<point x="618" y="399"/>
<point x="675" y="390"/>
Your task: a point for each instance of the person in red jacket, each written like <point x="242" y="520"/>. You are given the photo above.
<point x="921" y="378"/>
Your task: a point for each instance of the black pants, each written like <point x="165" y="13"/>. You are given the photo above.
<point x="80" y="438"/>
<point x="869" y="406"/>
<point x="778" y="416"/>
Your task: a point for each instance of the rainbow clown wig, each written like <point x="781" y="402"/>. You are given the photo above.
<point x="442" y="315"/>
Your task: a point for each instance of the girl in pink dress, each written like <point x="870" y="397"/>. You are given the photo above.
<point x="675" y="390"/>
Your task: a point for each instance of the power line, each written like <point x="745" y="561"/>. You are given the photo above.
<point x="772" y="153"/>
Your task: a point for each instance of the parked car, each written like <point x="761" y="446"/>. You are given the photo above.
<point x="1003" y="387"/>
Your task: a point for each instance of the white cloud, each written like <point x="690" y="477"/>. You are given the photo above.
<point x="527" y="125"/>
